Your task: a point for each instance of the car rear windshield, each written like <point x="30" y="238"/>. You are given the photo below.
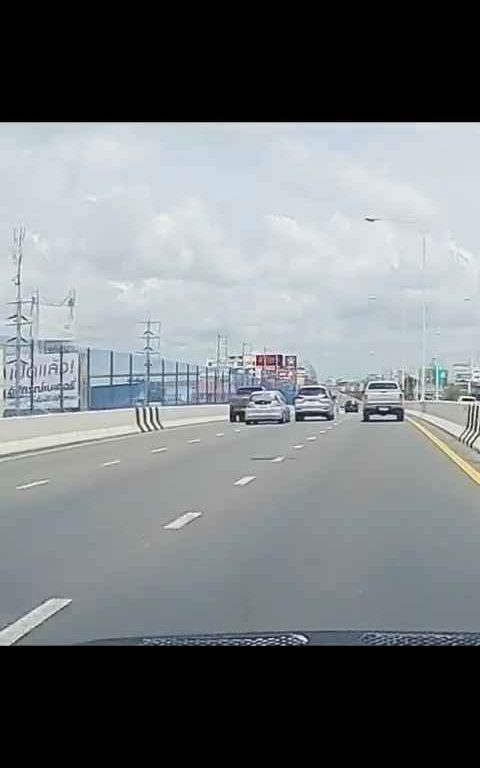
<point x="314" y="391"/>
<point x="262" y="397"/>
<point x="247" y="390"/>
<point x="383" y="385"/>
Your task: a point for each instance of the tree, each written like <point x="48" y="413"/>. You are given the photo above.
<point x="453" y="391"/>
<point x="410" y="383"/>
<point x="310" y="373"/>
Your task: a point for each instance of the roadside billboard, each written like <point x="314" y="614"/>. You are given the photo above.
<point x="46" y="383"/>
<point x="269" y="361"/>
<point x="2" y="380"/>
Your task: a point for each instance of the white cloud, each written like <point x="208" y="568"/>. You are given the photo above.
<point x="253" y="231"/>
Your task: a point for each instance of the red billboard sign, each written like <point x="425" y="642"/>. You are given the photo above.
<point x="269" y="361"/>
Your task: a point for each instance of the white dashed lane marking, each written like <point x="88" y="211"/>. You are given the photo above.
<point x="313" y="437"/>
<point x="220" y="434"/>
<point x="159" y="450"/>
<point x="322" y="431"/>
<point x="237" y="430"/>
<point x="111" y="463"/>
<point x="297" y="447"/>
<point x="23" y="626"/>
<point x="191" y="442"/>
<point x="181" y="521"/>
<point x="245" y="480"/>
<point x="278" y="460"/>
<point x="33" y="484"/>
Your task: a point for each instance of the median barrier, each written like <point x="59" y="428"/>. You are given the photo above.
<point x="445" y="409"/>
<point x="462" y="420"/>
<point x="148" y="418"/>
<point x="29" y="433"/>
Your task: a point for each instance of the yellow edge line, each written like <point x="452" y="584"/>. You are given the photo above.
<point x="467" y="468"/>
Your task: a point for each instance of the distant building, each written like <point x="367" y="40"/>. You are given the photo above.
<point x="461" y="373"/>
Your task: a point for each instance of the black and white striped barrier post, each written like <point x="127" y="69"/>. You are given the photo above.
<point x="472" y="430"/>
<point x="148" y="418"/>
<point x="468" y="424"/>
<point x="475" y="431"/>
<point x="156" y="417"/>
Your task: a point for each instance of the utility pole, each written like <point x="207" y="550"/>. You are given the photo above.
<point x="424" y="316"/>
<point x="221" y="340"/>
<point x="18" y="318"/>
<point x="150" y="336"/>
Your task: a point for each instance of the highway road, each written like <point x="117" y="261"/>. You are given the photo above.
<point x="303" y="526"/>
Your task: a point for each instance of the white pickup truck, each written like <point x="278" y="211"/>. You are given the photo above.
<point x="383" y="398"/>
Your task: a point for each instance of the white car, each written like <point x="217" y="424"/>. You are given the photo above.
<point x="314" y="400"/>
<point x="466" y="399"/>
<point x="267" y="406"/>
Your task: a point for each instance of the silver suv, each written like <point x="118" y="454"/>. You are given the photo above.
<point x="314" y="400"/>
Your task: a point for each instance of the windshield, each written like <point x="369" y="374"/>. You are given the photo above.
<point x="313" y="392"/>
<point x="262" y="397"/>
<point x="156" y="275"/>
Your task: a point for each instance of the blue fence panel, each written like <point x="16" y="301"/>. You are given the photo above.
<point x="116" y="396"/>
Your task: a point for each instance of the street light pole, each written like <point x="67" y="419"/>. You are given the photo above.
<point x="421" y="389"/>
<point x="424" y="315"/>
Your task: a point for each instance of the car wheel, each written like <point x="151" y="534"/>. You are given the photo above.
<point x="247" y="421"/>
<point x="366" y="417"/>
<point x="232" y="417"/>
<point x="298" y="417"/>
<point x="400" y="417"/>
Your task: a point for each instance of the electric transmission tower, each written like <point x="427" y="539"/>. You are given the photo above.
<point x="18" y="319"/>
<point x="151" y="346"/>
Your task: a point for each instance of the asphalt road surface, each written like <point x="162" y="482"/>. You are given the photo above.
<point x="354" y="526"/>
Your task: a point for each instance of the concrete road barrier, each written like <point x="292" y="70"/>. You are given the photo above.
<point x="30" y="433"/>
<point x="462" y="420"/>
<point x="445" y="409"/>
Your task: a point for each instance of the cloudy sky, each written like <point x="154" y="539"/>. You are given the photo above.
<point x="252" y="230"/>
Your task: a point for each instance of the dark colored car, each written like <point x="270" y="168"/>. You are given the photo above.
<point x="238" y="402"/>
<point x="351" y="406"/>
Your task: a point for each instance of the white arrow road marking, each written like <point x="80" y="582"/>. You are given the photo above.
<point x="33" y="619"/>
<point x="32" y="484"/>
<point x="179" y="522"/>
<point x="245" y="480"/>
